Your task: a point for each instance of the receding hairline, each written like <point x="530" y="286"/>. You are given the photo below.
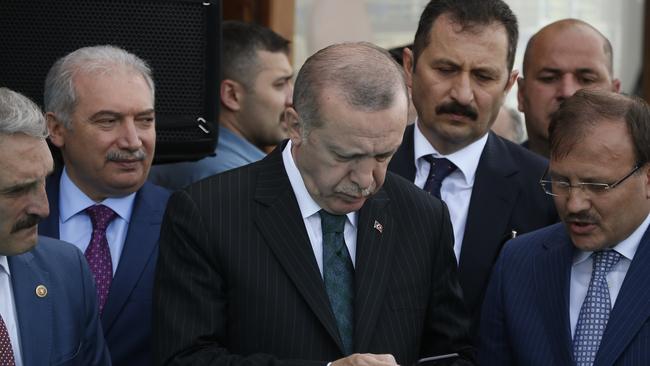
<point x="565" y="25"/>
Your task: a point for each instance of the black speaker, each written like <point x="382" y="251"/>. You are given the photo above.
<point x="180" y="39"/>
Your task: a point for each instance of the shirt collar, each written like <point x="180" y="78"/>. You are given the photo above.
<point x="4" y="264"/>
<point x="72" y="201"/>
<point x="465" y="159"/>
<point x="627" y="248"/>
<point x="308" y="206"/>
<point x="239" y="144"/>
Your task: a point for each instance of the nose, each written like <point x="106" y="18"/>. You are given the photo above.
<point x="129" y="136"/>
<point x="461" y="90"/>
<point x="363" y="173"/>
<point x="577" y="200"/>
<point x="38" y="204"/>
<point x="567" y="86"/>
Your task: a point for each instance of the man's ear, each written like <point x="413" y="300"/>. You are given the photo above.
<point x="407" y="61"/>
<point x="293" y="126"/>
<point x="521" y="84"/>
<point x="232" y="94"/>
<point x="57" y="130"/>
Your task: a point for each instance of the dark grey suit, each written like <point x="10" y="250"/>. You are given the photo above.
<point x="238" y="282"/>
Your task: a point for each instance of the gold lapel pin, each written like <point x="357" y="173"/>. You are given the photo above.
<point x="41" y="291"/>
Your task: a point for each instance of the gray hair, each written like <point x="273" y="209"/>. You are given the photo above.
<point x="18" y="114"/>
<point x="60" y="96"/>
<point x="365" y="75"/>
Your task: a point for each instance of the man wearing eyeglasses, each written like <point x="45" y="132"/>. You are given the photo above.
<point x="577" y="293"/>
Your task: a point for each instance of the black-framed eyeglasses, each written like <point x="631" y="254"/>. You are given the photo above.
<point x="563" y="188"/>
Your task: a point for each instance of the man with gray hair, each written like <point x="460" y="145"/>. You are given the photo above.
<point x="314" y="254"/>
<point x="100" y="111"/>
<point x="48" y="309"/>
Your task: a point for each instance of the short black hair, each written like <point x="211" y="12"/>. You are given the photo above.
<point x="241" y="41"/>
<point x="467" y="13"/>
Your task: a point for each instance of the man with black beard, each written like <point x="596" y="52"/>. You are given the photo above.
<point x="460" y="70"/>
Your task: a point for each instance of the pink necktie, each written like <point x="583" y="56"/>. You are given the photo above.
<point x="6" y="352"/>
<point x="98" y="253"/>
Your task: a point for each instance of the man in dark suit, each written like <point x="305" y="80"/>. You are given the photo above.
<point x="100" y="111"/>
<point x="460" y="70"/>
<point x="252" y="269"/>
<point x="577" y="294"/>
<point x="48" y="309"/>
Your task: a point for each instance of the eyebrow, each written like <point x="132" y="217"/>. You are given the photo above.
<point x="117" y="114"/>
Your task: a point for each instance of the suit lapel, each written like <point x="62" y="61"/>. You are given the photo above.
<point x="552" y="275"/>
<point x="139" y="249"/>
<point x="50" y="225"/>
<point x="372" y="265"/>
<point x="283" y="228"/>
<point x="493" y="191"/>
<point x="403" y="162"/>
<point x="631" y="310"/>
<point x="34" y="313"/>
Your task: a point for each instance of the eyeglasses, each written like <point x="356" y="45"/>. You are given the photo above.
<point x="563" y="188"/>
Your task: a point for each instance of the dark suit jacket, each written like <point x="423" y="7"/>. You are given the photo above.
<point x="525" y="317"/>
<point x="62" y="327"/>
<point x="127" y="313"/>
<point x="506" y="196"/>
<point x="238" y="282"/>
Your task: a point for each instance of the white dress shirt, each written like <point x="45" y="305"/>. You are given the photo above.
<point x="309" y="210"/>
<point x="456" y="188"/>
<point x="583" y="265"/>
<point x="8" y="309"/>
<point x="75" y="226"/>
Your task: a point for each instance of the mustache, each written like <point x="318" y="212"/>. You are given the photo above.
<point x="123" y="155"/>
<point x="354" y="190"/>
<point x="27" y="222"/>
<point x="581" y="217"/>
<point x="457" y="108"/>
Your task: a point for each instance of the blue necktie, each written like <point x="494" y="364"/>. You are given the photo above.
<point x="595" y="309"/>
<point x="338" y="275"/>
<point x="440" y="169"/>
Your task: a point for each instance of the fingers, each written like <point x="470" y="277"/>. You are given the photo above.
<point x="366" y="359"/>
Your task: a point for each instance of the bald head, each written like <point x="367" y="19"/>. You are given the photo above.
<point x="560" y="59"/>
<point x="557" y="35"/>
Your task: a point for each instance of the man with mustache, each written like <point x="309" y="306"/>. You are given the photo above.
<point x="460" y="70"/>
<point x="576" y="293"/>
<point x="315" y="254"/>
<point x="100" y="112"/>
<point x="48" y="309"/>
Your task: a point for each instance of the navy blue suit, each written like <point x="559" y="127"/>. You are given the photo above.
<point x="505" y="197"/>
<point x="525" y="319"/>
<point x="62" y="326"/>
<point x="127" y="313"/>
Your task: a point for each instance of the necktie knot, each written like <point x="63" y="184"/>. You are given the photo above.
<point x="604" y="261"/>
<point x="100" y="216"/>
<point x="331" y="223"/>
<point x="440" y="168"/>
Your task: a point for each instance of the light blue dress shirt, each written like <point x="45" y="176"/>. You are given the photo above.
<point x="232" y="152"/>
<point x="75" y="226"/>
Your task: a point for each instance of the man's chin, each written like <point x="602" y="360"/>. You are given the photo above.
<point x="21" y="241"/>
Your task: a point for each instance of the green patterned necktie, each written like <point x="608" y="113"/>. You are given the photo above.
<point x="338" y="274"/>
